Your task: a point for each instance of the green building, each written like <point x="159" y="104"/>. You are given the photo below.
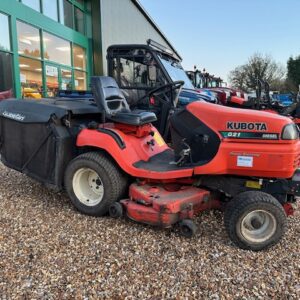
<point x="47" y="45"/>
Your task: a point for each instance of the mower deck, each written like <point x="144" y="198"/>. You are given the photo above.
<point x="165" y="205"/>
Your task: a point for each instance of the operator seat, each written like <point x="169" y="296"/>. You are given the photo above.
<point x="110" y="99"/>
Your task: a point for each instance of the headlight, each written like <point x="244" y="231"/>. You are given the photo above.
<point x="290" y="132"/>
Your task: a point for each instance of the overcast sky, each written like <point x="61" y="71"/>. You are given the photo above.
<point x="221" y="34"/>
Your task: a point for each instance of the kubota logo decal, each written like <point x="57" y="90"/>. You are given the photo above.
<point x="247" y="126"/>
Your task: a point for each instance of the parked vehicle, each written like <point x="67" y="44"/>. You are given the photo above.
<point x="140" y="68"/>
<point x="207" y="83"/>
<point x="75" y="94"/>
<point x="285" y="99"/>
<point x="264" y="101"/>
<point x="205" y="80"/>
<point x="241" y="161"/>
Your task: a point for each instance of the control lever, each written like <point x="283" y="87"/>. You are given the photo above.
<point x="184" y="155"/>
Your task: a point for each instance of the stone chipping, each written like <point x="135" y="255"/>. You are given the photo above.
<point x="48" y="250"/>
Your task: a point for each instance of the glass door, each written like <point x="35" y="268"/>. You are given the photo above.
<point x="65" y="79"/>
<point x="52" y="80"/>
<point x="57" y="78"/>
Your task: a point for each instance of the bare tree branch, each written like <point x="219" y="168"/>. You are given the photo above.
<point x="258" y="66"/>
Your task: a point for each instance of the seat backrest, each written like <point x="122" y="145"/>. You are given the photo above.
<point x="108" y="96"/>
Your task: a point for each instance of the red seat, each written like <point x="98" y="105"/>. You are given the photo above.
<point x="6" y="94"/>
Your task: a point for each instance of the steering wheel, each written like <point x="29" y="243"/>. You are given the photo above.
<point x="173" y="86"/>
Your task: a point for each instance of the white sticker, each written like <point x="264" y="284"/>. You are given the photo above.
<point x="22" y="78"/>
<point x="51" y="71"/>
<point x="245" y="161"/>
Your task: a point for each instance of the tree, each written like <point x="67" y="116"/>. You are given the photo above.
<point x="260" y="66"/>
<point x="293" y="72"/>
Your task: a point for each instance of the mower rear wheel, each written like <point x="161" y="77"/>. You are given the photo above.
<point x="255" y="220"/>
<point x="93" y="183"/>
<point x="187" y="228"/>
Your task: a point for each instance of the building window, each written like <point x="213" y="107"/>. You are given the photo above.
<point x="79" y="20"/>
<point x="50" y="9"/>
<point x="70" y="13"/>
<point x="31" y="77"/>
<point x="79" y="62"/>
<point x="52" y="80"/>
<point x="57" y="49"/>
<point x="47" y="62"/>
<point x="28" y="40"/>
<point x="66" y="79"/>
<point x="6" y="82"/>
<point x="72" y="16"/>
<point x="81" y="2"/>
<point x="4" y="33"/>
<point x="80" y="80"/>
<point x="35" y="4"/>
<point x="6" y="64"/>
<point x="79" y="57"/>
<point x="66" y="13"/>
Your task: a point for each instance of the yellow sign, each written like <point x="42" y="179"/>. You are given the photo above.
<point x="253" y="184"/>
<point x="158" y="139"/>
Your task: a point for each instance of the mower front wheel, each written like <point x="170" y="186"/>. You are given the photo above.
<point x="93" y="183"/>
<point x="116" y="210"/>
<point x="255" y="220"/>
<point x="187" y="228"/>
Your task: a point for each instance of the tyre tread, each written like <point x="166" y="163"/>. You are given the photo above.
<point x="239" y="204"/>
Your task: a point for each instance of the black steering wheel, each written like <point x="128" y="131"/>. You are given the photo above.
<point x="169" y="87"/>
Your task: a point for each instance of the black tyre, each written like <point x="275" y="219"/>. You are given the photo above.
<point x="116" y="210"/>
<point x="255" y="220"/>
<point x="93" y="183"/>
<point x="187" y="228"/>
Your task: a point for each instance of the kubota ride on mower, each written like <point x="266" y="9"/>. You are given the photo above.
<point x="241" y="161"/>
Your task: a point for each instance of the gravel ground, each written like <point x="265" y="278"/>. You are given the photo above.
<point x="50" y="251"/>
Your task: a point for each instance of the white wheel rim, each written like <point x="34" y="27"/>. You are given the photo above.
<point x="88" y="187"/>
<point x="258" y="226"/>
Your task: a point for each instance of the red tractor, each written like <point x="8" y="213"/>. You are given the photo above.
<point x="264" y="101"/>
<point x="233" y="98"/>
<point x="112" y="159"/>
<point x="203" y="81"/>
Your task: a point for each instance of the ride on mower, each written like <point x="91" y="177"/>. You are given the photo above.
<point x="241" y="161"/>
